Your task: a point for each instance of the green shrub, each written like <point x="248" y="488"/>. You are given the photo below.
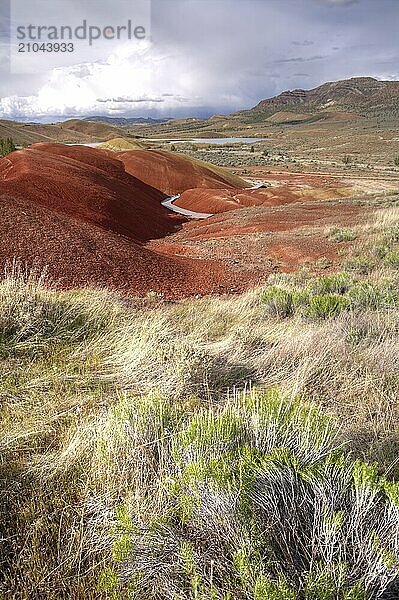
<point x="31" y="315"/>
<point x="364" y="294"/>
<point x="6" y="146"/>
<point x="337" y="283"/>
<point x="326" y="306"/>
<point x="341" y="235"/>
<point x="278" y="301"/>
<point x="259" y="503"/>
<point x="362" y="264"/>
<point x="391" y="259"/>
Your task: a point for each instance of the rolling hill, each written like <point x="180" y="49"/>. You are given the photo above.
<point x="121" y="144"/>
<point x="73" y="131"/>
<point x="87" y="184"/>
<point x="76" y="211"/>
<point x="173" y="173"/>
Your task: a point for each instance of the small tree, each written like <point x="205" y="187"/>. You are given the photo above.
<point x="347" y="160"/>
<point x="252" y="149"/>
<point x="396" y="161"/>
<point x="6" y="146"/>
<point x="173" y="148"/>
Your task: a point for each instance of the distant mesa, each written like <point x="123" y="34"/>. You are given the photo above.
<point x="356" y="96"/>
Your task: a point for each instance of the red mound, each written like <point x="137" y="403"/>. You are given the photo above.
<point x="218" y="201"/>
<point x="262" y="219"/>
<point x="88" y="184"/>
<point x="174" y="173"/>
<point x="66" y="207"/>
<point x="262" y="239"/>
<point x="80" y="254"/>
<point x="213" y="201"/>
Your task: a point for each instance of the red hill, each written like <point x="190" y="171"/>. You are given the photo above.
<point x="87" y="184"/>
<point x="174" y="173"/>
<point x="216" y="201"/>
<point x="76" y="211"/>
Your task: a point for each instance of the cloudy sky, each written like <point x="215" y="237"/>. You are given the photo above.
<point x="199" y="57"/>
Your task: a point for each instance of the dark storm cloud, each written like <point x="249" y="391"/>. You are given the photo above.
<point x="303" y="43"/>
<point x="239" y="44"/>
<point x="299" y="59"/>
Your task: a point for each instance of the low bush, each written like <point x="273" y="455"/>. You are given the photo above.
<point x="278" y="301"/>
<point x="30" y="314"/>
<point x="325" y="306"/>
<point x="361" y="264"/>
<point x="341" y="235"/>
<point x="365" y="294"/>
<point x="337" y="283"/>
<point x="391" y="259"/>
<point x="257" y="501"/>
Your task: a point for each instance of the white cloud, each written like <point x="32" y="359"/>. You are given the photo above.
<point x="132" y="78"/>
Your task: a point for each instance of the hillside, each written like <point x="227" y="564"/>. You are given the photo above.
<point x="73" y="131"/>
<point x="32" y="133"/>
<point x="95" y="130"/>
<point x="174" y="173"/>
<point x="87" y="184"/>
<point x="361" y="100"/>
<point x="359" y="95"/>
<point x="124" y="121"/>
<point x="251" y="440"/>
<point x="120" y="144"/>
<point x="76" y="211"/>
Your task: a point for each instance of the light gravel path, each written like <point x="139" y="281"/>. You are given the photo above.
<point x="168" y="203"/>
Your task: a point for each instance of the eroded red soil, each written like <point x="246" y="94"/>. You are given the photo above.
<point x="282" y="188"/>
<point x="87" y="184"/>
<point x="173" y="173"/>
<point x="76" y="211"/>
<point x="268" y="238"/>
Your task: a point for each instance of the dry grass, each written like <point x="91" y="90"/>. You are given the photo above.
<point x="82" y="371"/>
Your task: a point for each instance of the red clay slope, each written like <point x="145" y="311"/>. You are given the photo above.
<point x="65" y="209"/>
<point x="285" y="189"/>
<point x="217" y="201"/>
<point x="80" y="254"/>
<point x="88" y="184"/>
<point x="174" y="173"/>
